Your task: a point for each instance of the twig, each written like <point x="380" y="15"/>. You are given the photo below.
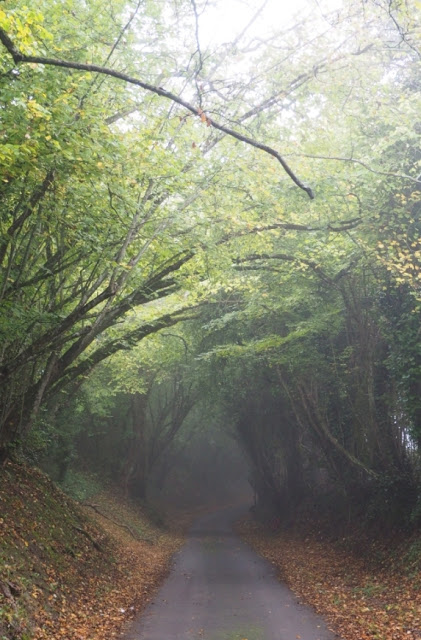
<point x="403" y="34"/>
<point x="90" y="538"/>
<point x="118" y="524"/>
<point x="403" y="176"/>
<point x="10" y="589"/>
<point x="113" y="48"/>
<point x="199" y="51"/>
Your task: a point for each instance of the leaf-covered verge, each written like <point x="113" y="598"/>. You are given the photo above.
<point x="367" y="588"/>
<point x="65" y="570"/>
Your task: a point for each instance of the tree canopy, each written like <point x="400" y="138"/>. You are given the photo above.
<point x="232" y="225"/>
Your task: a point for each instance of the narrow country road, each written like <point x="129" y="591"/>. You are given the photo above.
<point x="219" y="589"/>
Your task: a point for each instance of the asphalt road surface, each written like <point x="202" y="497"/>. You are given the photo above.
<point x="220" y="589"/>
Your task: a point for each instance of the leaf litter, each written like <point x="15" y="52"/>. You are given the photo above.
<point x="67" y="572"/>
<point x="366" y="588"/>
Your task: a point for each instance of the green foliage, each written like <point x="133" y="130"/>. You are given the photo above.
<point x="80" y="486"/>
<point x="122" y="215"/>
<point x="412" y="558"/>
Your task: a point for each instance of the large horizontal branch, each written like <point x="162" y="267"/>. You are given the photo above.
<point x="19" y="57"/>
<point x="241" y="263"/>
<point x="126" y="342"/>
<point x="246" y="263"/>
<point x="343" y="225"/>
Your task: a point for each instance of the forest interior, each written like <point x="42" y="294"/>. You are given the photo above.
<point x="209" y="294"/>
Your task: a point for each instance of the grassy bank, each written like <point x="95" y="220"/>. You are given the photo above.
<point x="73" y="571"/>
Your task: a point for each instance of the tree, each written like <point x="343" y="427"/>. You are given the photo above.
<point x="127" y="212"/>
<point x="78" y="202"/>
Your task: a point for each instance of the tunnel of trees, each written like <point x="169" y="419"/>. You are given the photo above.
<point x="213" y="244"/>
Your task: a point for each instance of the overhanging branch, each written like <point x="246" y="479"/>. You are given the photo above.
<point x="343" y="225"/>
<point x="123" y="343"/>
<point x="241" y="263"/>
<point x="19" y="57"/>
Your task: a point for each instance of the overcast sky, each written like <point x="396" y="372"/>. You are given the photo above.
<point x="221" y="23"/>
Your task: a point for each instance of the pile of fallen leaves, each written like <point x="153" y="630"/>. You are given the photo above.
<point x="73" y="572"/>
<point x="365" y="588"/>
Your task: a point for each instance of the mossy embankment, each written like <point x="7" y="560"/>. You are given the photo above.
<point x="69" y="570"/>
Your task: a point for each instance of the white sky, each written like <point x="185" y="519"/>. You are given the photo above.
<point x="221" y="23"/>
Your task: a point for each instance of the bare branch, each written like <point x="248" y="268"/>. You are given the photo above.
<point x="285" y="257"/>
<point x="391" y="174"/>
<point x="344" y="225"/>
<point x="246" y="264"/>
<point x="402" y="33"/>
<point x="198" y="50"/>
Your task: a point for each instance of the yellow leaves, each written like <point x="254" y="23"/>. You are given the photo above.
<point x="23" y="31"/>
<point x="7" y="151"/>
<point x="36" y="592"/>
<point x="24" y="26"/>
<point x="5" y="20"/>
<point x="36" y="110"/>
